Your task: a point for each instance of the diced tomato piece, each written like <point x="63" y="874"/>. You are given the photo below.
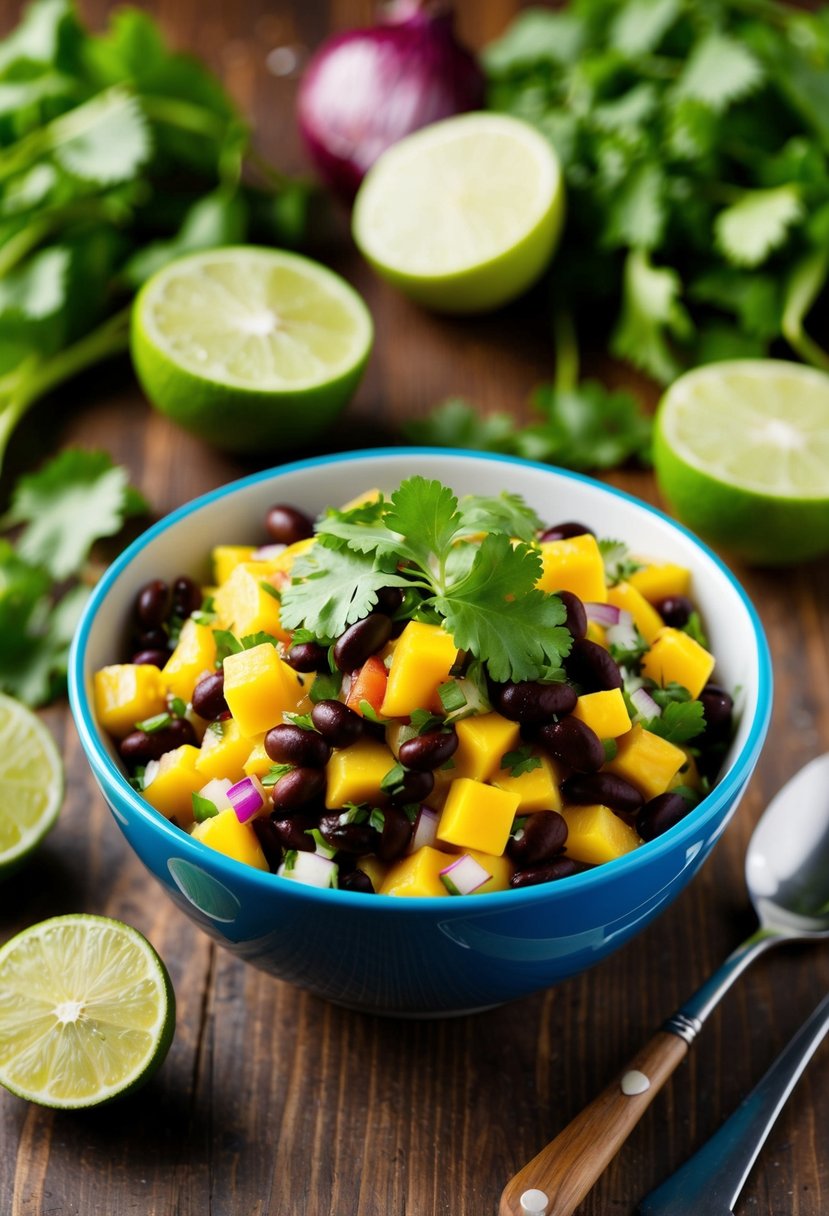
<point x="368" y="684"/>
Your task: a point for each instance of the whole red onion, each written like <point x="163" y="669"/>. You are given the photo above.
<point x="365" y="89"/>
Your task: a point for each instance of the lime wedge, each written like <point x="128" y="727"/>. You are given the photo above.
<point x="741" y="451"/>
<point x="31" y="783"/>
<point x="251" y="349"/>
<point x="87" y="1011"/>
<point x="462" y="215"/>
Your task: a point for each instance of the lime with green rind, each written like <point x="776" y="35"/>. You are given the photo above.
<point x="741" y="454"/>
<point x="87" y="1011"/>
<point x="251" y="349"/>
<point x="31" y="783"/>
<point x="464" y="215"/>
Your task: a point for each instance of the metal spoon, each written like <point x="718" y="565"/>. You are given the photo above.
<point x="787" y="874"/>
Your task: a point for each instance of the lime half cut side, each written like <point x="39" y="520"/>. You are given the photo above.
<point x="87" y="1011"/>
<point x="464" y="214"/>
<point x="251" y="349"/>
<point x="741" y="452"/>
<point x="31" y="783"/>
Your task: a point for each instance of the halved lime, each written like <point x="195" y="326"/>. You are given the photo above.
<point x="462" y="215"/>
<point x="741" y="451"/>
<point x="87" y="1011"/>
<point x="31" y="783"/>
<point x="251" y="349"/>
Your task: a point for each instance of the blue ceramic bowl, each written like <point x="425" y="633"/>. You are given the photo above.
<point x="430" y="955"/>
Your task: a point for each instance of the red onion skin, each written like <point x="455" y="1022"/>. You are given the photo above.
<point x="365" y="89"/>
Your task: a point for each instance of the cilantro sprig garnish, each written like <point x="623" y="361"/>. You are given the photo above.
<point x="484" y="594"/>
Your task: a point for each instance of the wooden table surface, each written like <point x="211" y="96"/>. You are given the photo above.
<point x="274" y="1102"/>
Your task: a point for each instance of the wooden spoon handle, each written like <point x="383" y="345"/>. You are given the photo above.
<point x="569" y="1166"/>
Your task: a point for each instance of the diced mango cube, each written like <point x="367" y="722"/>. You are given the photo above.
<point x="477" y="816"/>
<point x="243" y="605"/>
<point x="421" y="661"/>
<point x="225" y="559"/>
<point x="171" y="790"/>
<point x="258" y="762"/>
<point x="595" y="633"/>
<point x="374" y="868"/>
<point x="417" y="874"/>
<point x="596" y="835"/>
<point x="574" y="565"/>
<point x="223" y="752"/>
<point x="688" y="774"/>
<point x="126" y="693"/>
<point x="647" y="761"/>
<point x="537" y="789"/>
<point x="645" y="617"/>
<point x="604" y="712"/>
<point x="259" y="687"/>
<point x="660" y="579"/>
<point x="354" y="773"/>
<point x="194" y="655"/>
<point x="225" y="834"/>
<point x="676" y="656"/>
<point x="483" y="740"/>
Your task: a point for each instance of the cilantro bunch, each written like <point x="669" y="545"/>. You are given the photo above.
<point x="484" y="593"/>
<point x="694" y="139"/>
<point x="116" y="154"/>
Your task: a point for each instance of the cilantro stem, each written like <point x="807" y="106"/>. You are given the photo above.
<point x="805" y="285"/>
<point x="187" y="116"/>
<point x="32" y="379"/>
<point x="566" y="345"/>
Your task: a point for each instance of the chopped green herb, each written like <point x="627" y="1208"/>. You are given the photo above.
<point x="178" y="707"/>
<point x="611" y="747"/>
<point x="630" y="656"/>
<point x="275" y="773"/>
<point x="303" y="721"/>
<point x="489" y="603"/>
<point x="520" y="761"/>
<point x="203" y="808"/>
<point x="618" y="564"/>
<point x="270" y="590"/>
<point x="250" y="640"/>
<point x="203" y="616"/>
<point x="289" y="861"/>
<point x="226" y="643"/>
<point x="321" y="845"/>
<point x="392" y="783"/>
<point x="152" y="725"/>
<point x="137" y="778"/>
<point x="326" y="687"/>
<point x="664" y="694"/>
<point x="370" y="713"/>
<point x="690" y="795"/>
<point x="423" y="721"/>
<point x="377" y="819"/>
<point x="452" y="696"/>
<point x="693" y="627"/>
<point x="679" y="722"/>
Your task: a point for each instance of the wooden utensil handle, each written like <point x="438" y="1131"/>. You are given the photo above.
<point x="569" y="1166"/>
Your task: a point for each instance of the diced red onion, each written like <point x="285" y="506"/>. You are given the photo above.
<point x="602" y="614"/>
<point x="645" y="705"/>
<point x="623" y="633"/>
<point x="312" y="869"/>
<point x="216" y="792"/>
<point x="267" y="553"/>
<point x="464" y="876"/>
<point x="425" y="829"/>
<point x="151" y="772"/>
<point x="248" y="798"/>
<point x="365" y="89"/>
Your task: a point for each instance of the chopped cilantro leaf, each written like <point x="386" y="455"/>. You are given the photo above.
<point x="679" y="722"/>
<point x="156" y="723"/>
<point x="520" y="761"/>
<point x="203" y="808"/>
<point x="275" y="773"/>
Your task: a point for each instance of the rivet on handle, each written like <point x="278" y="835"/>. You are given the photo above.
<point x="533" y="1203"/>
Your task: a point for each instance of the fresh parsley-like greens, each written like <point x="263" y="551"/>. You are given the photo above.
<point x="679" y="722"/>
<point x="487" y="601"/>
<point x="520" y="761"/>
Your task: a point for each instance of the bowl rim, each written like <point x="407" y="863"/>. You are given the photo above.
<point x="113" y="781"/>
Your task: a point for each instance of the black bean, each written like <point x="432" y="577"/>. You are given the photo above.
<point x="530" y="703"/>
<point x="675" y="610"/>
<point x="152" y="604"/>
<point x="606" y="788"/>
<point x="559" y="867"/>
<point x="574" y="743"/>
<point x="292" y="831"/>
<point x="152" y="639"/>
<point x="396" y="834"/>
<point x="592" y="667"/>
<point x="187" y="597"/>
<point x="389" y="600"/>
<point x="718" y="707"/>
<point x="338" y="725"/>
<point x="356" y="880"/>
<point x="565" y="531"/>
<point x="359" y="838"/>
<point x="141" y="746"/>
<point x="576" y="620"/>
<point x="361" y="640"/>
<point x="543" y="835"/>
<point x="414" y="786"/>
<point x="661" y="813"/>
<point x="151" y="658"/>
<point x="428" y="751"/>
<point x="209" y="696"/>
<point x="307" y="656"/>
<point x="290" y="744"/>
<point x="286" y="525"/>
<point x="297" y="788"/>
<point x="270" y="840"/>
